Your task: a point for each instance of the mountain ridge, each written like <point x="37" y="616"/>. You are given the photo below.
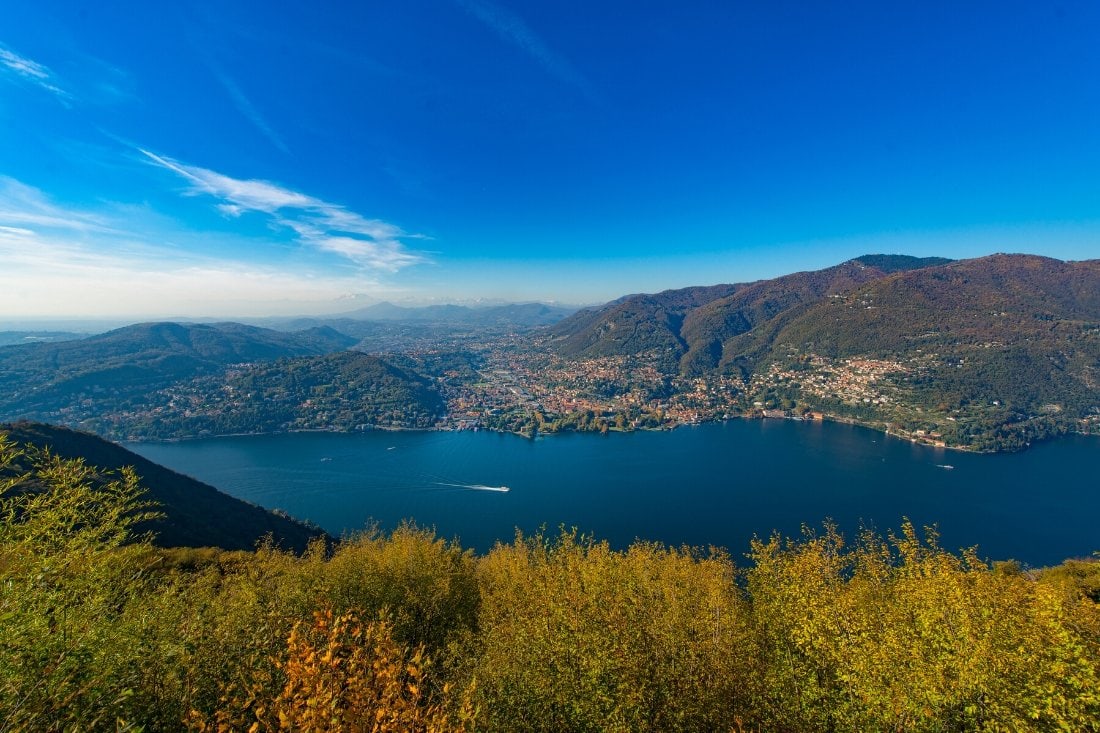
<point x="988" y="353"/>
<point x="693" y="322"/>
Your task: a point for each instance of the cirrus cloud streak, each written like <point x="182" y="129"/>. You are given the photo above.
<point x="31" y="71"/>
<point x="371" y="244"/>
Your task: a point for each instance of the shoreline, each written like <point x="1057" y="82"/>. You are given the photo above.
<point x="529" y="436"/>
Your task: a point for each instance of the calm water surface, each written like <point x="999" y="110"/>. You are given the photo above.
<point x="710" y="484"/>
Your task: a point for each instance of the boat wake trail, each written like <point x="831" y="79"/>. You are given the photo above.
<point x="475" y="487"/>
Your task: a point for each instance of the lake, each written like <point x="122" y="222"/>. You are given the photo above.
<point x="714" y="484"/>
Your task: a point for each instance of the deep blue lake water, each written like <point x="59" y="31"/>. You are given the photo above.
<point x="715" y="484"/>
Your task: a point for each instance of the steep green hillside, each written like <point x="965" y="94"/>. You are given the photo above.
<point x="991" y="352"/>
<point x="195" y="514"/>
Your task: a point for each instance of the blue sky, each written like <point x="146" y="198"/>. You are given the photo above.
<point x="233" y="159"/>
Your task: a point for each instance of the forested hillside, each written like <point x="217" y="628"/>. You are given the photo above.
<point x="170" y="380"/>
<point x="708" y="329"/>
<point x="989" y="353"/>
<point x="42" y="380"/>
<point x="691" y="324"/>
<point x="409" y="632"/>
<point x="343" y="391"/>
<point x="634" y="323"/>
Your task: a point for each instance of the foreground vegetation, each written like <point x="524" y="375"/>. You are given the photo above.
<point x="409" y="632"/>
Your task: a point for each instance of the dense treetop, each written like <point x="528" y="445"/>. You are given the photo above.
<point x="408" y="632"/>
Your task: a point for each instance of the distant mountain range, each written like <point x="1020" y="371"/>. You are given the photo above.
<point x="515" y="314"/>
<point x="13" y="338"/>
<point x="195" y="514"/>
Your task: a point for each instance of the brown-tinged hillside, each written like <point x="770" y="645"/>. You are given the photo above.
<point x="687" y="327"/>
<point x="634" y="324"/>
<point x="990" y="352"/>
<point x="707" y="329"/>
<point x="1009" y="299"/>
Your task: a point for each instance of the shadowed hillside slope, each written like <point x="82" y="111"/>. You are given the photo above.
<point x="195" y="514"/>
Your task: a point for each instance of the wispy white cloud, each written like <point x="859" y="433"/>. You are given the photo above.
<point x="24" y="209"/>
<point x="512" y="29"/>
<point x="371" y="243"/>
<point x="57" y="277"/>
<point x="66" y="261"/>
<point x="245" y="107"/>
<point x="31" y="71"/>
<point x="17" y="231"/>
<point x="240" y="195"/>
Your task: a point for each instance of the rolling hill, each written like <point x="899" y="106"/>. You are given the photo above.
<point x="344" y="391"/>
<point x="40" y="381"/>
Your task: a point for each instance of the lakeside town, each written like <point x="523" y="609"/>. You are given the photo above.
<point x="507" y="381"/>
<point x="526" y="389"/>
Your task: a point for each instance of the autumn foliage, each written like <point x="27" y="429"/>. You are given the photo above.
<point x="339" y="674"/>
<point x="408" y="632"/>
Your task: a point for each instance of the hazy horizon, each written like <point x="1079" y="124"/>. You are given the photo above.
<point x="343" y="307"/>
<point x="196" y="162"/>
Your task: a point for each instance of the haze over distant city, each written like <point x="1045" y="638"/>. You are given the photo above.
<point x="246" y="160"/>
